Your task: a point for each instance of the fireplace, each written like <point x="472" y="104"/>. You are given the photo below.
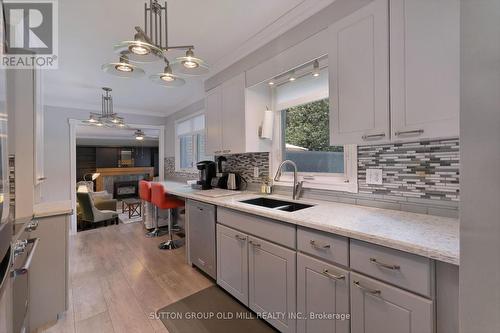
<point x="126" y="189"/>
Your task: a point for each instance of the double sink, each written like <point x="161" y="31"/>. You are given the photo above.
<point x="275" y="204"/>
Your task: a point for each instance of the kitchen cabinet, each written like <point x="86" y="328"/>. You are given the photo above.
<point x="213" y="121"/>
<point x="38" y="126"/>
<point x="272" y="283"/>
<point x="379" y="307"/>
<point x="233" y="116"/>
<point x="425" y="68"/>
<point x="321" y="288"/>
<point x="225" y="115"/>
<point x="232" y="262"/>
<point x="358" y="63"/>
<point x="49" y="273"/>
<point x="201" y="236"/>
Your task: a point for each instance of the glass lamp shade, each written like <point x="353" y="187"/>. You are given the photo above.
<point x="190" y="66"/>
<point x="82" y="189"/>
<point x="167" y="80"/>
<point x="123" y="69"/>
<point x="139" y="51"/>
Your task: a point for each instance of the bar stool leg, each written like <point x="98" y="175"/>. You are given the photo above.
<point x="172" y="243"/>
<point x="156" y="232"/>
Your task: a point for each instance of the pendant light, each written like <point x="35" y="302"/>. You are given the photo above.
<point x="107" y="117"/>
<point x="123" y="68"/>
<point x="151" y="44"/>
<point x="190" y="65"/>
<point x="167" y="79"/>
<point x="139" y="135"/>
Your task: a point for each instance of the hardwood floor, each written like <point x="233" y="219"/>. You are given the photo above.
<point x="118" y="277"/>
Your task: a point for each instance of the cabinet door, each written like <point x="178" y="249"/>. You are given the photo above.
<point x="359" y="76"/>
<point x="233" y="115"/>
<point x="321" y="288"/>
<point x="232" y="262"/>
<point x="425" y="73"/>
<point x="213" y="117"/>
<point x="377" y="307"/>
<point x="272" y="283"/>
<point x="38" y="127"/>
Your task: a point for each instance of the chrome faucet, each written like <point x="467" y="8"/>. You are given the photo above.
<point x="297" y="186"/>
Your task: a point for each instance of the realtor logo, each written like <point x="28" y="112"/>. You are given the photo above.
<point x="30" y="34"/>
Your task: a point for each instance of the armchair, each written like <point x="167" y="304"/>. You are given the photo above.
<point x="89" y="213"/>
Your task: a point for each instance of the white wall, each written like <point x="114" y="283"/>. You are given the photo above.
<point x="480" y="167"/>
<point x="57" y="148"/>
<point x="170" y="125"/>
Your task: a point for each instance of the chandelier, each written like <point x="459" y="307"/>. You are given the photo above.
<point x="151" y="44"/>
<point x="107" y="118"/>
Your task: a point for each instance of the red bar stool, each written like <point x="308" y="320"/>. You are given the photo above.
<point x="145" y="196"/>
<point x="162" y="200"/>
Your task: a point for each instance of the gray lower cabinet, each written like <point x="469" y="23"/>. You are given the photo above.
<point x="322" y="289"/>
<point x="232" y="262"/>
<point x="272" y="283"/>
<point x="49" y="271"/>
<point x="377" y="307"/>
<point x="202" y="236"/>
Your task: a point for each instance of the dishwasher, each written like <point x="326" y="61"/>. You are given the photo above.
<point x="201" y="236"/>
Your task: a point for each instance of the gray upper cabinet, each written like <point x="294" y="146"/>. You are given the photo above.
<point x="380" y="308"/>
<point x="359" y="76"/>
<point x="272" y="279"/>
<point x="232" y="262"/>
<point x="425" y="68"/>
<point x="321" y="288"/>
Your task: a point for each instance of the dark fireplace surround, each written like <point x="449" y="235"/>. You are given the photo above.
<point x="126" y="189"/>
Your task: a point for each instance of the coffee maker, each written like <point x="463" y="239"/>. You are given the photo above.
<point x="206" y="172"/>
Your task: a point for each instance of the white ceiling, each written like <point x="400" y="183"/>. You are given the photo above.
<point x="222" y="31"/>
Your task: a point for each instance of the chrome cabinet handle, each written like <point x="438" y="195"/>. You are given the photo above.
<point x="318" y="246"/>
<point x="32" y="226"/>
<point x="366" y="289"/>
<point x="26" y="266"/>
<point x="41" y="178"/>
<point x="242" y="238"/>
<point x="254" y="244"/>
<point x="333" y="276"/>
<point x="373" y="136"/>
<point x="19" y="247"/>
<point x="384" y="265"/>
<point x="413" y="132"/>
<point x="226" y="151"/>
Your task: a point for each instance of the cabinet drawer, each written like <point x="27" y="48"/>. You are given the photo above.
<point x="402" y="269"/>
<point x="327" y="246"/>
<point x="274" y="231"/>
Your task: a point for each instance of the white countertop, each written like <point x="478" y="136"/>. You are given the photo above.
<point x="53" y="208"/>
<point x="426" y="235"/>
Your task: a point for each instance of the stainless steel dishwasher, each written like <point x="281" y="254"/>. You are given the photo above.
<point x="202" y="236"/>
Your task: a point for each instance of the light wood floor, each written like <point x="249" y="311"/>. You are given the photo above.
<point x="118" y="277"/>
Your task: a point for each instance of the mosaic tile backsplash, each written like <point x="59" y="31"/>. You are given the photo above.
<point x="244" y="164"/>
<point x="425" y="169"/>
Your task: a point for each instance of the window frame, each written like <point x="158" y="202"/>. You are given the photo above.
<point x="346" y="182"/>
<point x="194" y="135"/>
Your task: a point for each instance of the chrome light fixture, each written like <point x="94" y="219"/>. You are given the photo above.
<point x="123" y="68"/>
<point x="315" y="71"/>
<point x="167" y="79"/>
<point x="151" y="44"/>
<point x="107" y="118"/>
<point x="139" y="135"/>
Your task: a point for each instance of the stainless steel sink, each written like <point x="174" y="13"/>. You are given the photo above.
<point x="285" y="206"/>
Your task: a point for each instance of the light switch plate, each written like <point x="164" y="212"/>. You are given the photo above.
<point x="256" y="172"/>
<point x="374" y="176"/>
